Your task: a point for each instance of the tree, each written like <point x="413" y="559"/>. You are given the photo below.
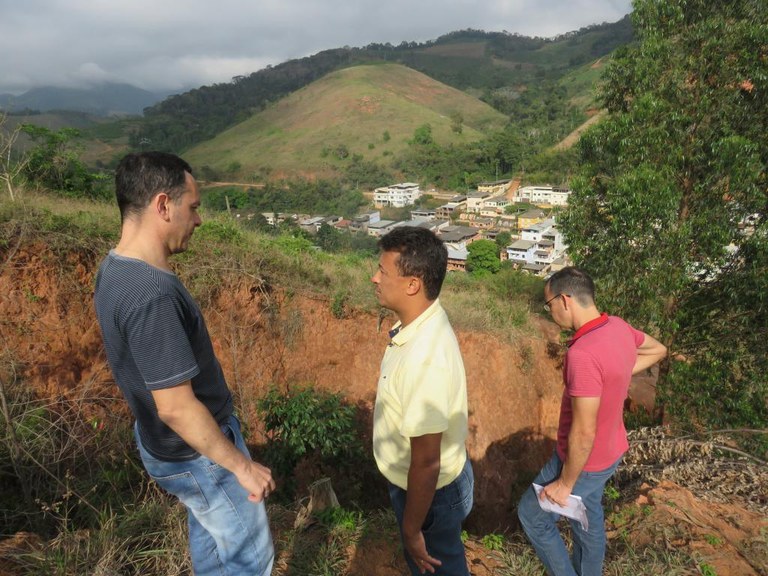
<point x="483" y="258"/>
<point x="669" y="210"/>
<point x="54" y="162"/>
<point x="503" y="239"/>
<point x="329" y="238"/>
<point x="11" y="164"/>
<point x="422" y="136"/>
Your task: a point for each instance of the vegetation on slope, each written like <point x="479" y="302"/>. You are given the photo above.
<point x="365" y="111"/>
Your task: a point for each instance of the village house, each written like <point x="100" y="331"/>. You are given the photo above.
<point x="454" y="234"/>
<point x="494" y="206"/>
<point x="530" y="217"/>
<point x="475" y="201"/>
<point x="457" y="257"/>
<point x="423" y="214"/>
<point x="539" y="247"/>
<point x="397" y="195"/>
<point x="499" y="187"/>
<point x="277" y="218"/>
<point x="378" y="229"/>
<point x="543" y="195"/>
<point x="360" y="222"/>
<point x="312" y="224"/>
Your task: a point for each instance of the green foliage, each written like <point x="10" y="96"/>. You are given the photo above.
<point x="713" y="540"/>
<point x="669" y="210"/>
<point x="219" y="231"/>
<point x="493" y="541"/>
<point x="329" y="238"/>
<point x="503" y="239"/>
<point x="422" y="136"/>
<point x="306" y="422"/>
<point x="365" y="174"/>
<point x="483" y="258"/>
<point x="293" y="244"/>
<point x="611" y="492"/>
<point x="60" y="464"/>
<point x="338" y="517"/>
<point x="321" y="196"/>
<point x="54" y="163"/>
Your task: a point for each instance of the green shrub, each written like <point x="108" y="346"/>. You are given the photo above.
<point x="305" y="423"/>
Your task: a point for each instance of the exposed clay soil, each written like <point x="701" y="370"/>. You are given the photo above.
<point x="48" y="327"/>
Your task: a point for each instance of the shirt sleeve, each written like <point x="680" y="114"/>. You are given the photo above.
<point x="425" y="401"/>
<point x="159" y="343"/>
<point x="584" y="375"/>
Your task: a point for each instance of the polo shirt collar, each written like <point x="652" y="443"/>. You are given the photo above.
<point x="400" y="335"/>
<point x="598" y="322"/>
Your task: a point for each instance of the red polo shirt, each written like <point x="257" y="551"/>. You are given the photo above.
<point x="599" y="364"/>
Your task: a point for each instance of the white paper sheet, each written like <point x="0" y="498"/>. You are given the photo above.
<point x="574" y="509"/>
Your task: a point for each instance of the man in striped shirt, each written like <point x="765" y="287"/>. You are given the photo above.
<point x="162" y="359"/>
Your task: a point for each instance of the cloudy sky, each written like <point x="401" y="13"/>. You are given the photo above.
<point x="178" y="44"/>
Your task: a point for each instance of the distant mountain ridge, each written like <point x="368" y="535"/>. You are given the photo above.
<point x="109" y="99"/>
<point x="494" y="66"/>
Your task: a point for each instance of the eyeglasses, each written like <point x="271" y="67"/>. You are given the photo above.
<point x="546" y="304"/>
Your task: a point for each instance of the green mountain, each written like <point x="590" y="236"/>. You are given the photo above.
<point x="370" y="111"/>
<point x="495" y="66"/>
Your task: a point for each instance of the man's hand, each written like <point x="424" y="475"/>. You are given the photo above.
<point x="417" y="550"/>
<point x="179" y="408"/>
<point x="257" y="479"/>
<point x="556" y="492"/>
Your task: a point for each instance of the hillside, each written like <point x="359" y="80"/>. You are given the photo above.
<point x="270" y="312"/>
<point x="352" y="108"/>
<point x="493" y="65"/>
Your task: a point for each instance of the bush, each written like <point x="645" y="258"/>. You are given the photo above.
<point x="306" y="423"/>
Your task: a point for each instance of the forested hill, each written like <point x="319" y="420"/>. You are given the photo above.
<point x="495" y="66"/>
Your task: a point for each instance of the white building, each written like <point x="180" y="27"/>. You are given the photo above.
<point x="397" y="195"/>
<point x="540" y="246"/>
<point x="548" y="195"/>
<point x="475" y="201"/>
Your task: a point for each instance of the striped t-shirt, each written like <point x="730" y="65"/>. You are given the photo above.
<point x="155" y="337"/>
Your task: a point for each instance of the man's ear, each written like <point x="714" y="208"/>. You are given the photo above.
<point x="160" y="203"/>
<point x="414" y="286"/>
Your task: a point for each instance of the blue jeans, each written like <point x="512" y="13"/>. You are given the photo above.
<point x="442" y="526"/>
<point x="228" y="534"/>
<point x="541" y="526"/>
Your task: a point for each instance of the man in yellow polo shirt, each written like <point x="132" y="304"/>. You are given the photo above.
<point x="420" y="419"/>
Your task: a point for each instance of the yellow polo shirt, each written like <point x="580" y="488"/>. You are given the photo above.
<point x="422" y="389"/>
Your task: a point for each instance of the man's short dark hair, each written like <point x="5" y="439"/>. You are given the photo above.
<point x="574" y="282"/>
<point x="139" y="177"/>
<point x="422" y="254"/>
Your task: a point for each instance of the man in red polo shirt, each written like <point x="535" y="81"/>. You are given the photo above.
<point x="602" y="356"/>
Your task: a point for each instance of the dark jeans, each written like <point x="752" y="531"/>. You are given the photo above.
<point x="442" y="526"/>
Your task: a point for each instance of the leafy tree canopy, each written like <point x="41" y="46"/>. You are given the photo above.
<point x="669" y="210"/>
<point x="483" y="258"/>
